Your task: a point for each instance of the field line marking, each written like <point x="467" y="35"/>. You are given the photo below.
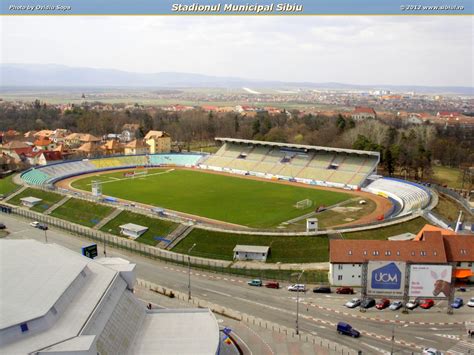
<point x="129" y="178"/>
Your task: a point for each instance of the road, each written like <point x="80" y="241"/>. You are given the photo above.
<point x="318" y="313"/>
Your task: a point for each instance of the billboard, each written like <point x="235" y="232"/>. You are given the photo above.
<point x="430" y="280"/>
<point x="385" y="278"/>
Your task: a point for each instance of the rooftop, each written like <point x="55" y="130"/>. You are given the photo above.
<point x="178" y="331"/>
<point x="251" y="249"/>
<point x="133" y="227"/>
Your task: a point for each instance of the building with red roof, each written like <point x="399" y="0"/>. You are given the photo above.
<point x="432" y="245"/>
<point x="362" y="113"/>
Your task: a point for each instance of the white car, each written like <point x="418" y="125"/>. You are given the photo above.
<point x="412" y="304"/>
<point x="297" y="287"/>
<point x="395" y="305"/>
<point x="432" y="351"/>
<point x="35" y="224"/>
<point x="471" y="302"/>
<point x="353" y="303"/>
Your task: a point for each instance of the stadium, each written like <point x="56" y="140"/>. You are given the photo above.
<point x="246" y="185"/>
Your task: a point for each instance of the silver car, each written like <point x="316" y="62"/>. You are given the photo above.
<point x="395" y="305"/>
<point x="353" y="303"/>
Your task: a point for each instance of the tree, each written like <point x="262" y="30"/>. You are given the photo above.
<point x="389" y="162"/>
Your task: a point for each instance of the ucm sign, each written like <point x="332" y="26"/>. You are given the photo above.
<point x="385" y="278"/>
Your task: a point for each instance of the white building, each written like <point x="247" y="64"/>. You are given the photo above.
<point x="56" y="301"/>
<point x="251" y="252"/>
<point x="132" y="230"/>
<point x="30" y="201"/>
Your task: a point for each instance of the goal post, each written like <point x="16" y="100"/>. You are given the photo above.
<point x="301" y="205"/>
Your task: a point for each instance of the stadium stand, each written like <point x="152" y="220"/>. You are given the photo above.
<point x="321" y="165"/>
<point x="410" y="196"/>
<point x="50" y="173"/>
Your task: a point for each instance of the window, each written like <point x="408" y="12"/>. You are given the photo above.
<point x="375" y="253"/>
<point x="359" y="276"/>
<point x="398" y="252"/>
<point x="412" y="253"/>
<point x="435" y="253"/>
<point x="423" y="253"/>
<point x="349" y="252"/>
<point x="353" y="265"/>
<point x="352" y="276"/>
<point x="24" y="327"/>
<point x="339" y="267"/>
<point x="339" y="278"/>
<point x="388" y="252"/>
<point x="469" y="265"/>
<point x="365" y="252"/>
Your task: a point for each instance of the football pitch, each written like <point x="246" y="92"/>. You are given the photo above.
<point x="239" y="200"/>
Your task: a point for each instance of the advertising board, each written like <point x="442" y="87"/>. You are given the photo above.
<point x="385" y="278"/>
<point x="430" y="280"/>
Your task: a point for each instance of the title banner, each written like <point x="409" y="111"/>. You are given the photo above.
<point x="236" y="7"/>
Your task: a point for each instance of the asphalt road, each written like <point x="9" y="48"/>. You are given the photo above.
<point x="279" y="306"/>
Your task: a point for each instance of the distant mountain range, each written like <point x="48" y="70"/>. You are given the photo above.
<point x="52" y="75"/>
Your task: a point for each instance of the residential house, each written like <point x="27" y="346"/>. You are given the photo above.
<point x="135" y="147"/>
<point x="362" y="113"/>
<point x="158" y="141"/>
<point x="112" y="147"/>
<point x="44" y="143"/>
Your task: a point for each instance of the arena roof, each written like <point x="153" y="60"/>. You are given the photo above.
<point x="298" y="146"/>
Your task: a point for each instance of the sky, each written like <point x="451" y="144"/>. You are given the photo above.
<point x="415" y="50"/>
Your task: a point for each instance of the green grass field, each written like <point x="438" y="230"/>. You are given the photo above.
<point x="283" y="249"/>
<point x="157" y="227"/>
<point x="259" y="204"/>
<point x="82" y="212"/>
<point x="7" y="185"/>
<point x="449" y="209"/>
<point x="450" y="176"/>
<point x="49" y="199"/>
<point x="412" y="226"/>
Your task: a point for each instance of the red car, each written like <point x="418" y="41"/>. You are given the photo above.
<point x="345" y="290"/>
<point x="427" y="304"/>
<point x="272" y="284"/>
<point x="384" y="303"/>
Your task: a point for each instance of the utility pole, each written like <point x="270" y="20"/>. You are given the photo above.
<point x="298" y="301"/>
<point x="189" y="271"/>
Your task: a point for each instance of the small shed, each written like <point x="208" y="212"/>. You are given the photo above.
<point x="132" y="230"/>
<point x="251" y="252"/>
<point x="30" y="201"/>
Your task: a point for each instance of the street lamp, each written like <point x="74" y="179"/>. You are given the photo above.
<point x="298" y="301"/>
<point x="393" y="335"/>
<point x="189" y="271"/>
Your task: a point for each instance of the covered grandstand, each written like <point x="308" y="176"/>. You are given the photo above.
<point x="344" y="168"/>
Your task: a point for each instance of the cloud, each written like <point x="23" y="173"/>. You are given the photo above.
<point x="432" y="50"/>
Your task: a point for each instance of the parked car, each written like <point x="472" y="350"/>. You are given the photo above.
<point x="471" y="302"/>
<point x="346" y="329"/>
<point x="272" y="284"/>
<point x="322" y="289"/>
<point x="396" y="305"/>
<point x="431" y="351"/>
<point x="462" y="289"/>
<point x="457" y="303"/>
<point x="427" y="304"/>
<point x="367" y="303"/>
<point x="353" y="303"/>
<point x="2" y="226"/>
<point x="384" y="303"/>
<point x="255" y="282"/>
<point x="345" y="290"/>
<point x="413" y="304"/>
<point x="39" y="225"/>
<point x="297" y="288"/>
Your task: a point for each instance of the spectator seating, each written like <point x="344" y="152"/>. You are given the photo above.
<point x="49" y="173"/>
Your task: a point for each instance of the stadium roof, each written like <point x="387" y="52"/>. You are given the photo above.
<point x="298" y="146"/>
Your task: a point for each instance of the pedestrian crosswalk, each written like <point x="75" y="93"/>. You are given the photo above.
<point x="462" y="348"/>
